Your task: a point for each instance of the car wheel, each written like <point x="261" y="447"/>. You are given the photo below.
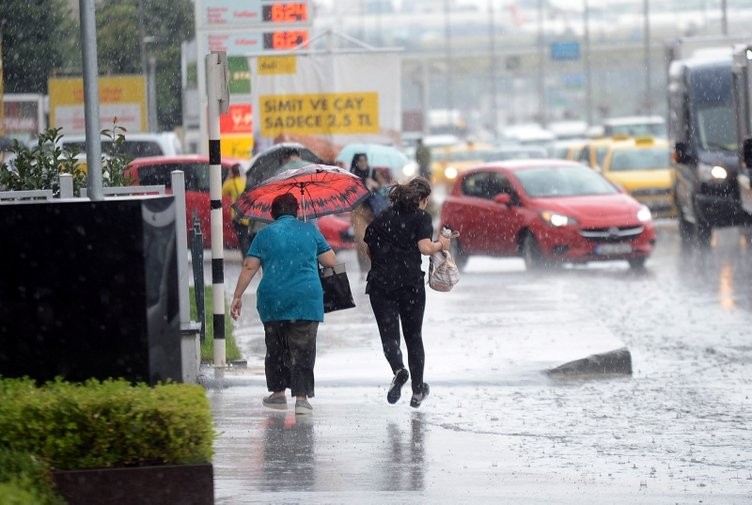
<point x="531" y="253"/>
<point x="637" y="263"/>
<point x="459" y="256"/>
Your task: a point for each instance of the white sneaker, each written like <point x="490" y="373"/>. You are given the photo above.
<point x="302" y="407"/>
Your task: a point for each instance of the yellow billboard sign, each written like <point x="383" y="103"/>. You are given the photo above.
<point x="276" y="65"/>
<point x="319" y="113"/>
<point x="122" y="97"/>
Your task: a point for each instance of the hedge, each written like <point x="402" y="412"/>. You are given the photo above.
<point x="106" y="424"/>
<point x="25" y="480"/>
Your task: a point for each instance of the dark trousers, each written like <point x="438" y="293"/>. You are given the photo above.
<point x="406" y="306"/>
<point x="290" y="356"/>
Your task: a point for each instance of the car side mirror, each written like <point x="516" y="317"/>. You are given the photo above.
<point x="747" y="152"/>
<point x="682" y="153"/>
<point x="503" y="199"/>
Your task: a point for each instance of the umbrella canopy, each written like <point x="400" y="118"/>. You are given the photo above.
<point x="320" y="190"/>
<point x="379" y="156"/>
<point x="268" y="163"/>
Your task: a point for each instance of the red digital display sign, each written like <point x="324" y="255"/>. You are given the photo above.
<point x="285" y="39"/>
<point x="285" y="12"/>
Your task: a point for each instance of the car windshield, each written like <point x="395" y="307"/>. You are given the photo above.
<point x="639" y="129"/>
<point x="196" y="175"/>
<point x="716" y="125"/>
<point x="655" y="158"/>
<point x="556" y="181"/>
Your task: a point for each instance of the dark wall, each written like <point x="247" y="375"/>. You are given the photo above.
<point x="89" y="289"/>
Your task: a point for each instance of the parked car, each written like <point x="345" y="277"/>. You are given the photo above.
<point x="642" y="166"/>
<point x="156" y="170"/>
<point x="135" y="145"/>
<point x="547" y="212"/>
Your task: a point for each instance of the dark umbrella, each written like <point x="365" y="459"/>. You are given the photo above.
<point x="320" y="189"/>
<point x="268" y="163"/>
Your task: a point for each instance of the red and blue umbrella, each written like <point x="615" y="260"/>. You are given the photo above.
<point x="320" y="189"/>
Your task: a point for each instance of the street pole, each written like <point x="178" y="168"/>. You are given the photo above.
<point x="492" y="68"/>
<point x="91" y="100"/>
<point x="588" y="68"/>
<point x="448" y="57"/>
<point x="724" y="19"/>
<point x="541" y="67"/>
<point x="218" y="98"/>
<point x="151" y="91"/>
<point x="648" y="99"/>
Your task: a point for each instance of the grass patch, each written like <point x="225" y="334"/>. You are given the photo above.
<point x="207" y="346"/>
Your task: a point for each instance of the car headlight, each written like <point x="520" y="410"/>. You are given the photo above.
<point x="708" y="173"/>
<point x="557" y="220"/>
<point x="450" y="173"/>
<point x="644" y="214"/>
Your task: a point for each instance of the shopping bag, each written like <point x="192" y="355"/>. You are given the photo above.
<point x="443" y="273"/>
<point x="336" y="286"/>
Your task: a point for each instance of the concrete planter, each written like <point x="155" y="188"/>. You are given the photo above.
<point x="148" y="485"/>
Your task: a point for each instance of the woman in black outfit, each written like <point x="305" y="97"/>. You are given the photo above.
<point x="396" y="239"/>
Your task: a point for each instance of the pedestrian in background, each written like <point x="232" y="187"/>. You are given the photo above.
<point x="423" y="159"/>
<point x="289" y="300"/>
<point x="233" y="187"/>
<point x="395" y="241"/>
<point x="363" y="214"/>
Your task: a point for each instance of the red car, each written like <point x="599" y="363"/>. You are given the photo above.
<point x="156" y="170"/>
<point x="548" y="212"/>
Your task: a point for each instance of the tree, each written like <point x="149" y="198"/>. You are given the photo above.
<point x="38" y="37"/>
<point x="169" y="22"/>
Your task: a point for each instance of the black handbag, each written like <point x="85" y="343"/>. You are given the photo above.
<point x="336" y="285"/>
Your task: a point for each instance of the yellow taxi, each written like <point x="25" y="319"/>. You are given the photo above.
<point x="642" y="166"/>
<point x="593" y="152"/>
<point x="447" y="162"/>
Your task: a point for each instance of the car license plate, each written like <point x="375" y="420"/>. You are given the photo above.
<point x="613" y="249"/>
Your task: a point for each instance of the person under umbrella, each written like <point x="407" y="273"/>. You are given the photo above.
<point x="289" y="300"/>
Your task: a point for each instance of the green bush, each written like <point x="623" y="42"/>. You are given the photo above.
<point x="106" y="424"/>
<point x="25" y="480"/>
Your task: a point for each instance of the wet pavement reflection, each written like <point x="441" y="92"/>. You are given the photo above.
<point x="675" y="431"/>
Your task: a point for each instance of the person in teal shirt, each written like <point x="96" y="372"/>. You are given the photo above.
<point x="290" y="300"/>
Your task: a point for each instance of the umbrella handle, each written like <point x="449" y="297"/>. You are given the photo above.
<point x="302" y="201"/>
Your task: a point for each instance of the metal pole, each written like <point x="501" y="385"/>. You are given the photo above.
<point x="588" y="68"/>
<point x="648" y="99"/>
<point x="218" y="98"/>
<point x="724" y="18"/>
<point x="181" y="238"/>
<point x="91" y="100"/>
<point x="425" y="96"/>
<point x="541" y="67"/>
<point x="151" y="87"/>
<point x="492" y="68"/>
<point x="448" y="56"/>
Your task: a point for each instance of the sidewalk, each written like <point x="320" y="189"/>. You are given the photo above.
<point x="357" y="449"/>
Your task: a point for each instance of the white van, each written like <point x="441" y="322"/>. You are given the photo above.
<point x="135" y="145"/>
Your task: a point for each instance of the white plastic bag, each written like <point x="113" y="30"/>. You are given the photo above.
<point x="443" y="273"/>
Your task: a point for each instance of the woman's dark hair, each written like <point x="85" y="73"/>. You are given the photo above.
<point x="284" y="205"/>
<point x="355" y="159"/>
<point x="407" y="196"/>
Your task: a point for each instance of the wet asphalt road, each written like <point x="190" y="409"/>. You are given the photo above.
<point x="492" y="431"/>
